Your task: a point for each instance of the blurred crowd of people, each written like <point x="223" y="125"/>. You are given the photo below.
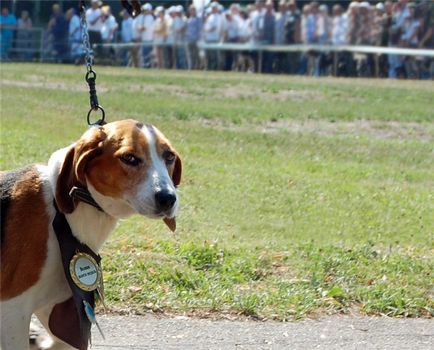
<point x="169" y="37"/>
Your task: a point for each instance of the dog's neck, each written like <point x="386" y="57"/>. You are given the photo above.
<point x="90" y="226"/>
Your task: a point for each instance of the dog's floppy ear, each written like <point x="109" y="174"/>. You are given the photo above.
<point x="176" y="178"/>
<point x="73" y="171"/>
<point x="65" y="181"/>
<point x="86" y="149"/>
<point x="177" y="171"/>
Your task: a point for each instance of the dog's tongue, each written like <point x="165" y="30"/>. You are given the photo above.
<point x="171" y="223"/>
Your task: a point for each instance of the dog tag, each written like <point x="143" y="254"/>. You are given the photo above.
<point x="85" y="272"/>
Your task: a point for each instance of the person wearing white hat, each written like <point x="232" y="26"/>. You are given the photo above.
<point x="179" y="26"/>
<point x="109" y="25"/>
<point x="144" y="28"/>
<point x="94" y="23"/>
<point x="160" y="35"/>
<point x="169" y="50"/>
<point x="126" y="36"/>
<point x="108" y="29"/>
<point x="212" y="34"/>
<point x="230" y="31"/>
<point x="93" y="16"/>
<point x="193" y="35"/>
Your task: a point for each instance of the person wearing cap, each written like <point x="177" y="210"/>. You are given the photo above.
<point x="293" y="34"/>
<point x="339" y="36"/>
<point x="235" y="10"/>
<point x="377" y="24"/>
<point x="212" y="34"/>
<point x="160" y="35"/>
<point x="109" y="25"/>
<point x="323" y="25"/>
<point x="281" y="59"/>
<point x="322" y="34"/>
<point x="385" y="35"/>
<point x="409" y="38"/>
<point x="339" y="26"/>
<point x="135" y="51"/>
<point x="266" y="36"/>
<point x="257" y="17"/>
<point x="179" y="27"/>
<point x="23" y="39"/>
<point x="144" y="24"/>
<point x="230" y="34"/>
<point x="245" y="62"/>
<point x="108" y="29"/>
<point x="126" y="36"/>
<point x="58" y="27"/>
<point x="279" y="28"/>
<point x="74" y="35"/>
<point x="169" y="49"/>
<point x="193" y="34"/>
<point x="353" y="22"/>
<point x="94" y="22"/>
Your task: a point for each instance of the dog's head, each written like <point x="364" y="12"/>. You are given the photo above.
<point x="128" y="167"/>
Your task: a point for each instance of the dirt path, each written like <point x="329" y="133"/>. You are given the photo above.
<point x="335" y="332"/>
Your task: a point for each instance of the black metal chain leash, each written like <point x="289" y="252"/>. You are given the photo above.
<point x="133" y="9"/>
<point x="90" y="74"/>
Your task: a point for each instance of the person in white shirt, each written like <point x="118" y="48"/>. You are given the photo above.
<point x="213" y="25"/>
<point x="409" y="38"/>
<point x="169" y="52"/>
<point x="212" y="34"/>
<point x="136" y="38"/>
<point x="257" y="18"/>
<point x="146" y="28"/>
<point x="160" y="34"/>
<point x="126" y="35"/>
<point x="339" y="33"/>
<point x="179" y="27"/>
<point x="108" y="29"/>
<point x="74" y="35"/>
<point x="339" y="36"/>
<point x="230" y="35"/>
<point x="143" y="32"/>
<point x="94" y="22"/>
<point x="109" y="25"/>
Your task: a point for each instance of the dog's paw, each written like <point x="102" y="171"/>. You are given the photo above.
<point x="45" y="342"/>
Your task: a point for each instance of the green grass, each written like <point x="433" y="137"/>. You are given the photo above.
<point x="278" y="223"/>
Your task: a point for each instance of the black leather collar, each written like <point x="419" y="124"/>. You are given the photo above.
<point x="84" y="195"/>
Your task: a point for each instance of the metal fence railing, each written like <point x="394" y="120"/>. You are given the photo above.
<point x="24" y="45"/>
<point x="37" y="44"/>
<point x="259" y="49"/>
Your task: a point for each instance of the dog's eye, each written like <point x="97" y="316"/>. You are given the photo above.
<point x="169" y="156"/>
<point x="130" y="159"/>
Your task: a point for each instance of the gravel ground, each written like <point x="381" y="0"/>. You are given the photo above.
<point x="336" y="332"/>
<point x="333" y="332"/>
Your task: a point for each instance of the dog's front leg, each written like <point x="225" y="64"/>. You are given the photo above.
<point x="15" y="323"/>
<point x="50" y="342"/>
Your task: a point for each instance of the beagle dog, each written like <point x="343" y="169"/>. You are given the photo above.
<point x="127" y="167"/>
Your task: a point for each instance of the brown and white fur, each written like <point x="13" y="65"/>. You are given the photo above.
<point x="129" y="168"/>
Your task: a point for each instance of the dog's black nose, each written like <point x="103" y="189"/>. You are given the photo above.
<point x="165" y="200"/>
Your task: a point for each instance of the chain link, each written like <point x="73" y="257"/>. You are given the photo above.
<point x="86" y="42"/>
<point x="90" y="75"/>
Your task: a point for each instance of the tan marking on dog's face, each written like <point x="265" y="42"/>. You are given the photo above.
<point x="107" y="172"/>
<point x="124" y="165"/>
<point x="163" y="146"/>
<point x="24" y="245"/>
